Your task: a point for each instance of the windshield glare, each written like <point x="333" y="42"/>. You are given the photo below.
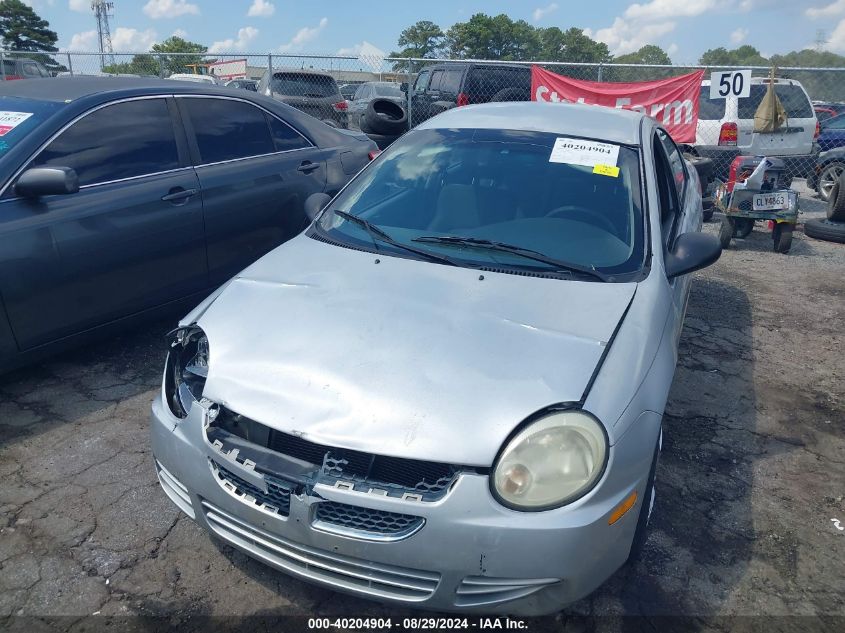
<point x="304" y="85"/>
<point x="18" y="117"/>
<point x="497" y="185"/>
<point x="388" y="90"/>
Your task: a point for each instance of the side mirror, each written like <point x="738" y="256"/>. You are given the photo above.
<point x="403" y="86"/>
<point x="691" y="252"/>
<point x="47" y="181"/>
<point x="315" y="203"/>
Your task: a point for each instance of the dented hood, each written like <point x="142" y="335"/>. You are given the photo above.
<point x="402" y="357"/>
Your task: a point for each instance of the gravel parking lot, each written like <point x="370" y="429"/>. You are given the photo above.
<point x="751" y="475"/>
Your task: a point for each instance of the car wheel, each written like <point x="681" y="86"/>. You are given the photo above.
<point x="836" y="199"/>
<point x="829" y="179"/>
<point x="641" y="533"/>
<point x="825" y="230"/>
<point x="743" y="227"/>
<point x="726" y="232"/>
<point x="782" y="237"/>
<point x="383" y="116"/>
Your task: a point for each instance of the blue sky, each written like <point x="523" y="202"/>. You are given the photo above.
<point x="685" y="28"/>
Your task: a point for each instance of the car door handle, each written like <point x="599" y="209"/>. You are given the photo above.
<point x="307" y="167"/>
<point x="178" y="194"/>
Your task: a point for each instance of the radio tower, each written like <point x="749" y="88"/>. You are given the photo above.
<point x="102" y="11"/>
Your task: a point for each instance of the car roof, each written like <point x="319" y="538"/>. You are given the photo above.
<point x="65" y="89"/>
<point x="301" y="71"/>
<point x="609" y="124"/>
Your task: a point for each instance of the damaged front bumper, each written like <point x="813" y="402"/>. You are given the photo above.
<point x="451" y="549"/>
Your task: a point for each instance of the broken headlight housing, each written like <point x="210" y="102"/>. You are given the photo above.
<point x="552" y="461"/>
<point x="186" y="369"/>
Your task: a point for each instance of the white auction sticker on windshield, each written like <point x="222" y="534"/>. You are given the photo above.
<point x="573" y="151"/>
<point x="10" y="120"/>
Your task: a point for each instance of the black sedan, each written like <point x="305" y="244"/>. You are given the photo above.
<point x="123" y="196"/>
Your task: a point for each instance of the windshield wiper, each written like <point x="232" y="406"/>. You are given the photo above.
<point x="527" y="253"/>
<point x="376" y="233"/>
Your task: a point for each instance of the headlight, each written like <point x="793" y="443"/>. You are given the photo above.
<point x="186" y="369"/>
<point x="551" y="462"/>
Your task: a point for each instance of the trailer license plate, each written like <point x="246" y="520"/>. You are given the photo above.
<point x="770" y="202"/>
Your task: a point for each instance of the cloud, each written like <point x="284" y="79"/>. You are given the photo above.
<point x="541" y="12"/>
<point x="836" y="40"/>
<point x="180" y="33"/>
<point x="645" y="23"/>
<point x="626" y="36"/>
<point x="833" y="9"/>
<point x="80" y="6"/>
<point x="664" y="9"/>
<point x="245" y="36"/>
<point x="157" y="9"/>
<point x="132" y="40"/>
<point x="261" y="8"/>
<point x="738" y="36"/>
<point x="303" y="36"/>
<point x="85" y="41"/>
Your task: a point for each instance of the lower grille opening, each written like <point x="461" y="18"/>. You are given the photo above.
<point x="341" y="518"/>
<point x="276" y="500"/>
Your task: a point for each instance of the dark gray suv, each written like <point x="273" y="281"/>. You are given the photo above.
<point x="22" y="68"/>
<point x="442" y="86"/>
<point x="315" y="93"/>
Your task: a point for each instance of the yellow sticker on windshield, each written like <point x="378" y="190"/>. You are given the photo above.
<point x="606" y="170"/>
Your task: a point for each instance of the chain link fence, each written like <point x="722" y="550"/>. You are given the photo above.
<point x="341" y="89"/>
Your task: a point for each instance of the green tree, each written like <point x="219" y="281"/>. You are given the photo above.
<point x="22" y="29"/>
<point x="743" y="56"/>
<point x="421" y="40"/>
<point x="648" y="54"/>
<point x="179" y="63"/>
<point x="144" y="64"/>
<point x="498" y="37"/>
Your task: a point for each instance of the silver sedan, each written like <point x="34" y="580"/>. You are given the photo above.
<point x="447" y="392"/>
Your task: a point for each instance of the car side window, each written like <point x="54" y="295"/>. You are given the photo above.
<point x="667" y="192"/>
<point x="837" y="123"/>
<point x="436" y="78"/>
<point x="124" y="140"/>
<point x="285" y="138"/>
<point x="451" y="82"/>
<point x="30" y="70"/>
<point x="226" y="129"/>
<point x="422" y="81"/>
<point x="676" y="162"/>
<point x="359" y="94"/>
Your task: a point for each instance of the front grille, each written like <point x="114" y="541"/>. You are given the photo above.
<point x="353" y="574"/>
<point x="275" y="500"/>
<point x="398" y="476"/>
<point x="341" y="518"/>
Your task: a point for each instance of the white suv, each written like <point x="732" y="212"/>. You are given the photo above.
<point x="726" y="128"/>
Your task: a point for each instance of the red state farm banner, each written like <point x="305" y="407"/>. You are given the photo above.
<point x="673" y="102"/>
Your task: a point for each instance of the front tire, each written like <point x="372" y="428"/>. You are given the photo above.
<point x="641" y="533"/>
<point x="782" y="236"/>
<point x="726" y="232"/>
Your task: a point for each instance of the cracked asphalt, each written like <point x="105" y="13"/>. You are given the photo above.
<point x="751" y="475"/>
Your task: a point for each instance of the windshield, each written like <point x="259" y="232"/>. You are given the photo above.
<point x="388" y="90"/>
<point x="304" y="85"/>
<point x="501" y="186"/>
<point x="794" y="101"/>
<point x="20" y="116"/>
